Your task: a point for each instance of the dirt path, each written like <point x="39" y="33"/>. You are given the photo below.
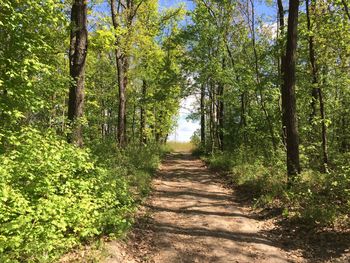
<point x="197" y="220"/>
<point x="193" y="218"/>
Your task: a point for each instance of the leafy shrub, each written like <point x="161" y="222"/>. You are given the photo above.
<point x="265" y="183"/>
<point x="224" y="161"/>
<point x="135" y="164"/>
<point x="53" y="196"/>
<point x="315" y="197"/>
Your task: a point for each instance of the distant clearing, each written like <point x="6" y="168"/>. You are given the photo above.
<point x="180" y="146"/>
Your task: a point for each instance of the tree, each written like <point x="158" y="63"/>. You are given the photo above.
<point x="317" y="93"/>
<point x="122" y="19"/>
<point x="288" y="93"/>
<point x="77" y="60"/>
<point x="202" y="112"/>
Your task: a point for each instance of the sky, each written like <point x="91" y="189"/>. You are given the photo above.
<point x="185" y="128"/>
<point x="173" y="3"/>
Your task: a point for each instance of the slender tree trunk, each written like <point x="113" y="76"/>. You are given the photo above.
<point x="281" y="15"/>
<point x="211" y="119"/>
<point x="143" y="114"/>
<point x="203" y="115"/>
<point x="243" y="119"/>
<point x="133" y="124"/>
<point x="282" y="62"/>
<point x="220" y="117"/>
<point x="122" y="80"/>
<point x="344" y="142"/>
<point x="316" y="91"/>
<point x="220" y="112"/>
<point x="324" y="132"/>
<point x="122" y="68"/>
<point x="346" y="9"/>
<point x="77" y="59"/>
<point x="288" y="94"/>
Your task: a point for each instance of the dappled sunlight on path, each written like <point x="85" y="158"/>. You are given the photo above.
<point x="193" y="218"/>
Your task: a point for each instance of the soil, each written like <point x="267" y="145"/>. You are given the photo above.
<point x="192" y="217"/>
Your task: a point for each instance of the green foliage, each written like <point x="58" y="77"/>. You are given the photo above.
<point x="54" y="196"/>
<point x="31" y="56"/>
<point x="237" y="57"/>
<point x="136" y="164"/>
<point x="315" y="198"/>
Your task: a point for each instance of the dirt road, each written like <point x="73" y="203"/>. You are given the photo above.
<point x="192" y="217"/>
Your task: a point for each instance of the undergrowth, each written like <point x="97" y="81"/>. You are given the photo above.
<point x="315" y="198"/>
<point x="54" y="196"/>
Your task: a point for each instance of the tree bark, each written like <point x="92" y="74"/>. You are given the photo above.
<point x="220" y="117"/>
<point x="211" y="118"/>
<point x="346" y="9"/>
<point x="122" y="68"/>
<point x="77" y="59"/>
<point x="220" y="112"/>
<point x="324" y="133"/>
<point x="243" y="119"/>
<point x="288" y="94"/>
<point x="281" y="62"/>
<point x="281" y="15"/>
<point x="314" y="92"/>
<point x="203" y="115"/>
<point x="143" y="138"/>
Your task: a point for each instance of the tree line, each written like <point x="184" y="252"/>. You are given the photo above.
<point x="273" y="96"/>
<point x="272" y="86"/>
<point x="88" y="93"/>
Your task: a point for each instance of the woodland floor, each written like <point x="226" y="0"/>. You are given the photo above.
<point x="191" y="216"/>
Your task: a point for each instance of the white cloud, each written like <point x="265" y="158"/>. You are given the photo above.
<point x="185" y="129"/>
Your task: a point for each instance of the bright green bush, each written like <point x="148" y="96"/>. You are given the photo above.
<point x="135" y="164"/>
<point x="54" y="196"/>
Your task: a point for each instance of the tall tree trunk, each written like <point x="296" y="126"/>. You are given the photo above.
<point x="77" y="59"/>
<point x="316" y="91"/>
<point x="243" y="119"/>
<point x="122" y="68"/>
<point x="324" y="132"/>
<point x="122" y="81"/>
<point x="133" y="123"/>
<point x="282" y="62"/>
<point x="203" y="115"/>
<point x="288" y="94"/>
<point x="143" y="138"/>
<point x="211" y="118"/>
<point x="220" y="112"/>
<point x="220" y="117"/>
<point x="280" y="15"/>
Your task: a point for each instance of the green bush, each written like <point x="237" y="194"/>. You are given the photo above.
<point x="54" y="196"/>
<point x="315" y="197"/>
<point x="135" y="163"/>
<point x="221" y="161"/>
